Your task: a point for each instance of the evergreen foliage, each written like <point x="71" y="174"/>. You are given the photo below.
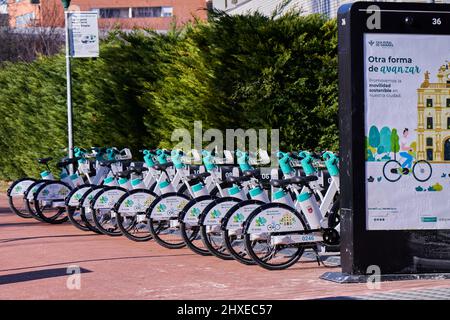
<point x="230" y="72"/>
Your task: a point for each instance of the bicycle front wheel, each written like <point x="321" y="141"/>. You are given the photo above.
<point x="268" y="242"/>
<point x="422" y="171"/>
<point x="16" y="200"/>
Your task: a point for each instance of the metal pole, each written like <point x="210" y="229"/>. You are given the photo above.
<point x="69" y="91"/>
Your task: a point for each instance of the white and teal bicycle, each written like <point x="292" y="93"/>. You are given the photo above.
<point x="277" y="233"/>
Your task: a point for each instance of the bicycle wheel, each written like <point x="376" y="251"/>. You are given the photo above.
<point x="16" y="199"/>
<point x="74" y="215"/>
<point x="267" y="236"/>
<point x="334" y="215"/>
<point x="422" y="170"/>
<point x="131" y="214"/>
<point x="210" y="226"/>
<point x="189" y="227"/>
<point x="28" y="197"/>
<point x="163" y="219"/>
<point x="85" y="209"/>
<point x="391" y="171"/>
<point x="102" y="205"/>
<point x="73" y="206"/>
<point x="232" y="229"/>
<point x="49" y="201"/>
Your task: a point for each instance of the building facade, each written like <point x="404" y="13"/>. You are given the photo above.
<point x="3" y="13"/>
<point x="267" y="7"/>
<point x="154" y="14"/>
<point x="433" y="129"/>
<point x="225" y="5"/>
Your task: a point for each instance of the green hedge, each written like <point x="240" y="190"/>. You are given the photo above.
<point x="231" y="72"/>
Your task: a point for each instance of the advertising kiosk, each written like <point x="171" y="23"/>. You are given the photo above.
<point x="394" y="118"/>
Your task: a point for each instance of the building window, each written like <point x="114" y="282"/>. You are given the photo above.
<point x="448" y="102"/>
<point x="448" y="122"/>
<point x="152" y="12"/>
<point x="167" y="11"/>
<point x="429" y="154"/>
<point x="429" y="122"/>
<point x="108" y="13"/>
<point x="24" y="20"/>
<point x="429" y="142"/>
<point x="429" y="103"/>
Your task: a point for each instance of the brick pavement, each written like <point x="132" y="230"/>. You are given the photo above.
<point x="34" y="257"/>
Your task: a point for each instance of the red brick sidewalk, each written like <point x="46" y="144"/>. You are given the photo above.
<point x="34" y="257"/>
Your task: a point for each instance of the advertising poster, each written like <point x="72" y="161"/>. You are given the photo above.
<point x="407" y="128"/>
<point x="83" y="34"/>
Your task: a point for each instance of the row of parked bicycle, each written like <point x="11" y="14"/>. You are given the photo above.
<point x="213" y="207"/>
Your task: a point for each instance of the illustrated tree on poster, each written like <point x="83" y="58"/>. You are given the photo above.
<point x="385" y="143"/>
<point x="374" y="141"/>
<point x="395" y="145"/>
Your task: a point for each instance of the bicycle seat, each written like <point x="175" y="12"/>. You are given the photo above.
<point x="67" y="161"/>
<point x="302" y="180"/>
<point x="280" y="183"/>
<point x="162" y="167"/>
<point x="295" y="180"/>
<point x="255" y="173"/>
<point x="106" y="163"/>
<point x="124" y="174"/>
<point x="138" y="170"/>
<point x="45" y="160"/>
<point x="234" y="179"/>
<point x="198" y="175"/>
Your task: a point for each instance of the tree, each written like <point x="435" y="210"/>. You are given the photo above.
<point x="231" y="72"/>
<point x="395" y="146"/>
<point x="374" y="137"/>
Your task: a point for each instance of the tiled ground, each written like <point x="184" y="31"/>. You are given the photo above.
<point x="34" y="258"/>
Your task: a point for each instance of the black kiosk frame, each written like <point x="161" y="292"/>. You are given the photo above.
<point x="404" y="254"/>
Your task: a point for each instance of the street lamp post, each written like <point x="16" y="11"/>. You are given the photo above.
<point x="66" y="4"/>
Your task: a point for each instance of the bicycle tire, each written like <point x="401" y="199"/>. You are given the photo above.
<point x="238" y="256"/>
<point x="71" y="209"/>
<point x="159" y="225"/>
<point x="191" y="239"/>
<point x="90" y="225"/>
<point x="114" y="231"/>
<point x="58" y="217"/>
<point x="264" y="262"/>
<point x="384" y="169"/>
<point x="414" y="171"/>
<point x="126" y="230"/>
<point x="25" y="213"/>
<point x="220" y="251"/>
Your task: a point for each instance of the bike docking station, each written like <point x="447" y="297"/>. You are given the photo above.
<point x="394" y="118"/>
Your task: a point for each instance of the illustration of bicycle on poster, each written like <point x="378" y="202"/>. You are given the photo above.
<point x="399" y="154"/>
<point x="393" y="170"/>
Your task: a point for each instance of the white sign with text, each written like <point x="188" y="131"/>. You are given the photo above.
<point x="83" y="34"/>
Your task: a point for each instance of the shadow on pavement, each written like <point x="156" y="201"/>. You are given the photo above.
<point x="43" y="237"/>
<point x="36" y="275"/>
<point x="103" y="259"/>
<point x="18" y="224"/>
<point x="339" y="298"/>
